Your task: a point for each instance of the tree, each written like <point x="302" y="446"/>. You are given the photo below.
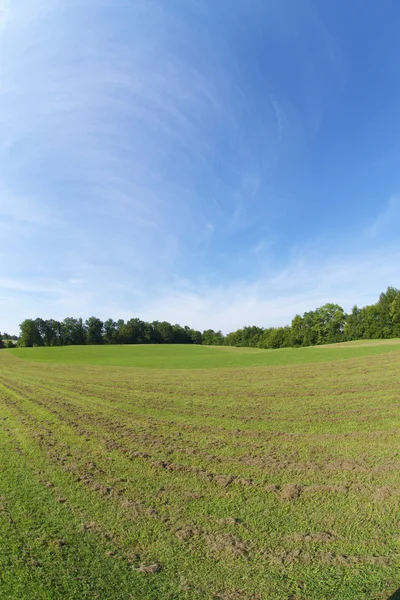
<point x="213" y="338"/>
<point x="371" y="320"/>
<point x="48" y="330"/>
<point x="248" y="336"/>
<point x="325" y="325"/>
<point x="110" y="332"/>
<point x="329" y="321"/>
<point x="395" y="316"/>
<point x="276" y="337"/>
<point x="310" y="334"/>
<point x="58" y="332"/>
<point x="30" y="334"/>
<point x="133" y="332"/>
<point x="297" y="331"/>
<point x="387" y="310"/>
<point x="196" y="337"/>
<point x="41" y="326"/>
<point x="354" y="326"/>
<point x="74" y="332"/>
<point x="179" y="335"/>
<point x="7" y="336"/>
<point x="231" y="339"/>
<point x="166" y="333"/>
<point x="94" y="331"/>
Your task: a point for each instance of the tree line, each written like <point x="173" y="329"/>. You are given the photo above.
<point x="7" y="340"/>
<point x="328" y="324"/>
<point x="71" y="332"/>
<point x="325" y="325"/>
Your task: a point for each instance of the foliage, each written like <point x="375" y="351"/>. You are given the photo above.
<point x="72" y="332"/>
<point x="212" y="338"/>
<point x="327" y="324"/>
<point x="94" y="331"/>
<point x="33" y="333"/>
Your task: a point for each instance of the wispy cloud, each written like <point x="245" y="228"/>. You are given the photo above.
<point x="279" y="115"/>
<point x="387" y="221"/>
<point x="148" y="160"/>
<point x="274" y="299"/>
<point x="270" y="300"/>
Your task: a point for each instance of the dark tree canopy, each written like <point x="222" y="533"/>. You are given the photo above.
<point x="327" y="324"/>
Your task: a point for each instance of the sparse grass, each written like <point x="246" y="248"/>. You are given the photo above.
<point x="269" y="482"/>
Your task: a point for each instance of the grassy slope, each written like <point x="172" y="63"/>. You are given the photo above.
<point x="254" y="483"/>
<point x="200" y="357"/>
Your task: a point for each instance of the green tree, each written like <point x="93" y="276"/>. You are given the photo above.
<point x="110" y="331"/>
<point x="196" y="337"/>
<point x="58" y="332"/>
<point x="133" y="332"/>
<point x="166" y="333"/>
<point x="231" y="339"/>
<point x="370" y="316"/>
<point x="74" y="332"/>
<point x="395" y="316"/>
<point x="213" y="338"/>
<point x="329" y="322"/>
<point x="30" y="334"/>
<point x="387" y="300"/>
<point x="324" y="325"/>
<point x="297" y="331"/>
<point x="354" y="326"/>
<point x="94" y="331"/>
<point x="310" y="334"/>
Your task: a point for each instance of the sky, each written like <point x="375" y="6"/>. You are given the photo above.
<point x="215" y="164"/>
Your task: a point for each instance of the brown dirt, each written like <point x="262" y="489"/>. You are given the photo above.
<point x="323" y="536"/>
<point x="271" y="488"/>
<point x="291" y="492"/>
<point x="185" y="533"/>
<point x="154" y="568"/>
<point x="226" y="542"/>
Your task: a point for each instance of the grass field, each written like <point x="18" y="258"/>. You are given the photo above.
<point x="206" y="473"/>
<point x="201" y="357"/>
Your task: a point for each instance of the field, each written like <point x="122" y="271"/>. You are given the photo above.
<point x="201" y="357"/>
<point x="181" y="472"/>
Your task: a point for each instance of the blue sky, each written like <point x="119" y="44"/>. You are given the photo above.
<point x="215" y="164"/>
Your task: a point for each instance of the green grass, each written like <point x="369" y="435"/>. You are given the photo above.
<point x="268" y="482"/>
<point x="200" y="357"/>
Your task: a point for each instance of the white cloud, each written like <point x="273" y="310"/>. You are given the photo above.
<point x="134" y="143"/>
<point x="279" y="115"/>
<point x="275" y="299"/>
<point x="387" y="221"/>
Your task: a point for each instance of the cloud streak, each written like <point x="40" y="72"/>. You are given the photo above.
<point x="275" y="299"/>
<point x="387" y="221"/>
<point x="143" y="145"/>
<point x="272" y="300"/>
